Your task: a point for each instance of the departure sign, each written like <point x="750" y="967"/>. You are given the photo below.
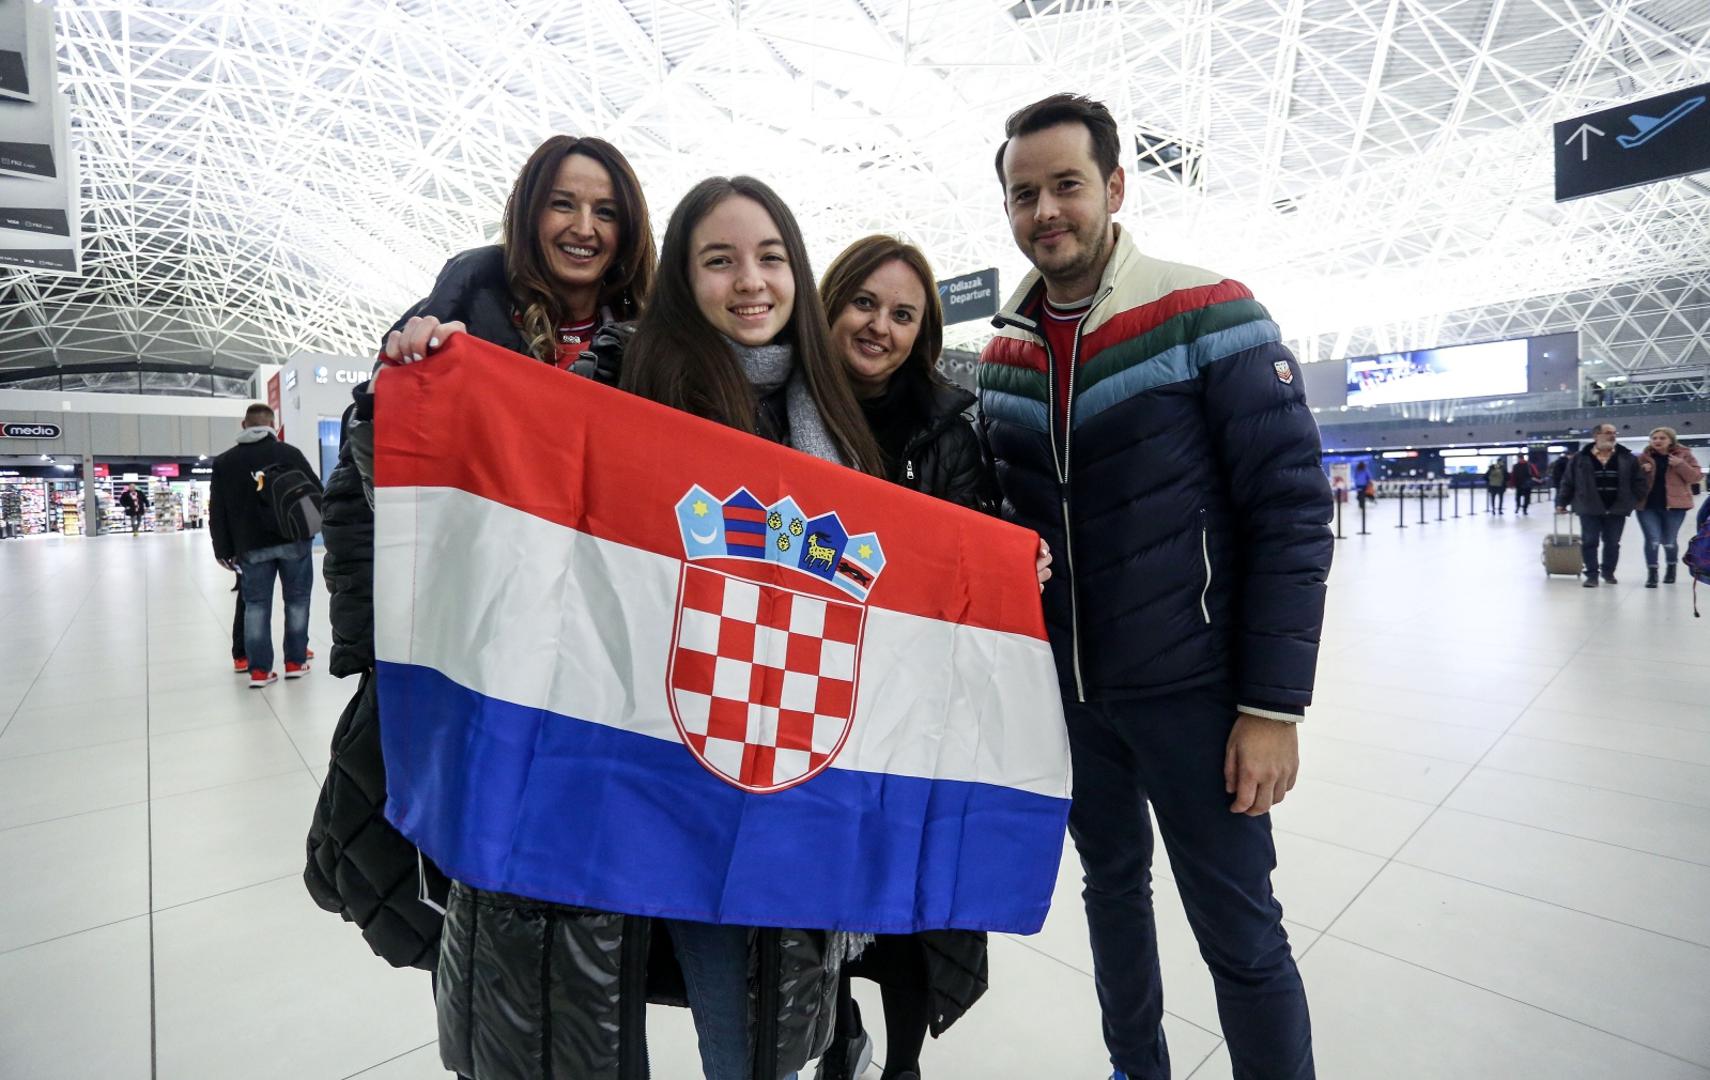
<point x="971" y="296"/>
<point x="1655" y="139"/>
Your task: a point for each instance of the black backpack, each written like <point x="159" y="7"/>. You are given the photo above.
<point x="290" y="501"/>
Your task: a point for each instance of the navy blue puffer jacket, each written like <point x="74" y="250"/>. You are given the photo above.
<point x="1186" y="505"/>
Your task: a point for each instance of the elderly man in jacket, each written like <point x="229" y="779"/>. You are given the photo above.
<point x="1147" y="421"/>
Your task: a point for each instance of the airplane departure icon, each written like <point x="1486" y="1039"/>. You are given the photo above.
<point x="1647" y="127"/>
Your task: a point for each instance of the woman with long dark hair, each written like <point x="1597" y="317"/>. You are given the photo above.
<point x="576" y="257"/>
<point x="735" y="333"/>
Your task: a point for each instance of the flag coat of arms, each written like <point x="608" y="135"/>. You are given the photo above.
<point x="637" y="661"/>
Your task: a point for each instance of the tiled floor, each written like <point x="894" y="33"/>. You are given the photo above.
<point x="1497" y="864"/>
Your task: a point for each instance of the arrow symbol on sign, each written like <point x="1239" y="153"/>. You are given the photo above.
<point x="1584" y="134"/>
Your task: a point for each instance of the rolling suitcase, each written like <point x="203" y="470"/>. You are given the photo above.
<point x="1561" y="549"/>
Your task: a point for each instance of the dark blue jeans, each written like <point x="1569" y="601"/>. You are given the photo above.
<point x="714" y="960"/>
<point x="1168" y="752"/>
<point x="1661" y="529"/>
<point x="295" y="565"/>
<point x="1604" y="528"/>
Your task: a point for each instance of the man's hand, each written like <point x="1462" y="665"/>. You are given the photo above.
<point x="1260" y="764"/>
<point x="229" y="564"/>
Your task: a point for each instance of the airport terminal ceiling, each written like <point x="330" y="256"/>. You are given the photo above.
<point x="261" y="178"/>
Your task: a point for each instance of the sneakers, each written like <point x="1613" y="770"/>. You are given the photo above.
<point x="296" y="671"/>
<point x="259" y="679"/>
<point x="241" y="665"/>
<point x="1609" y="579"/>
<point x="846" y="1059"/>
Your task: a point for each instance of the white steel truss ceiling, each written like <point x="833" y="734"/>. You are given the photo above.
<point x="264" y="177"/>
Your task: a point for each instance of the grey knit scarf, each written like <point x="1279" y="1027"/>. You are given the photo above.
<point x="769" y="367"/>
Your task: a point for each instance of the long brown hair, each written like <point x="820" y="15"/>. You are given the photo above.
<point x="629" y="280"/>
<point x="679" y="359"/>
<point x="850" y="270"/>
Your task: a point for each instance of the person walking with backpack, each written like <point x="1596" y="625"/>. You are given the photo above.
<point x="251" y="529"/>
<point x="1524" y="477"/>
<point x="1495" y="484"/>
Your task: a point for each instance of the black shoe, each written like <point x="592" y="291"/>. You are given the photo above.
<point x="845" y="1059"/>
<point x="1651" y="578"/>
<point x="1668" y="575"/>
<point x="1588" y="583"/>
<point x="1610" y="578"/>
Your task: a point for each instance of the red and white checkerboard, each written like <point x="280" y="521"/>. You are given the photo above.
<point x="762" y="678"/>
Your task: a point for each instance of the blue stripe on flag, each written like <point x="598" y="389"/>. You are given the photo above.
<point x="507" y="797"/>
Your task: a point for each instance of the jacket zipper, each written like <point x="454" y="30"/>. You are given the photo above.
<point x="1205" y="553"/>
<point x="632" y="999"/>
<point x="769" y="966"/>
<point x="1063" y="482"/>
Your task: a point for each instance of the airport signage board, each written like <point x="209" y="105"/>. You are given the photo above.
<point x="29" y="431"/>
<point x="969" y="297"/>
<point x="1643" y="142"/>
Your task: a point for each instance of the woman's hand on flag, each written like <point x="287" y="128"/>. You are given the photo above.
<point x="1042" y="563"/>
<point x="418" y="339"/>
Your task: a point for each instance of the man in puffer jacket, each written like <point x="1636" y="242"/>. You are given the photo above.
<point x="1147" y="421"/>
<point x="580" y="980"/>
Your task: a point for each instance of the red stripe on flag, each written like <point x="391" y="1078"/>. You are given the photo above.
<point x="563" y="448"/>
<point x="744" y="513"/>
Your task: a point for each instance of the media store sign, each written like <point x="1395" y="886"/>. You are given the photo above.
<point x="29" y="431"/>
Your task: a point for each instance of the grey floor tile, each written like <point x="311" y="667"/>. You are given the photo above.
<point x="1610" y="732"/>
<point x="224" y="754"/>
<point x="1629" y="982"/>
<point x="243" y="978"/>
<point x="37" y="730"/>
<point x="229" y="837"/>
<point x="1656" y="825"/>
<point x="1598" y="767"/>
<point x="77" y="1007"/>
<point x="55" y="784"/>
<point x="1376" y="768"/>
<point x="1365" y="820"/>
<point x="73" y="874"/>
<point x="1373" y="1016"/>
<point x="1633" y="887"/>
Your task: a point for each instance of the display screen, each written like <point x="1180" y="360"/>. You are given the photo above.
<point x="1459" y="371"/>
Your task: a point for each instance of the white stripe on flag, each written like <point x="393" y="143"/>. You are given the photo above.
<point x="527" y="611"/>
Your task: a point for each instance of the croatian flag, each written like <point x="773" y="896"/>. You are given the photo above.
<point x="637" y="661"/>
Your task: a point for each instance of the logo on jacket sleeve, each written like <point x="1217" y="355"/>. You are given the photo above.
<point x="1284" y="370"/>
<point x="764" y="661"/>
